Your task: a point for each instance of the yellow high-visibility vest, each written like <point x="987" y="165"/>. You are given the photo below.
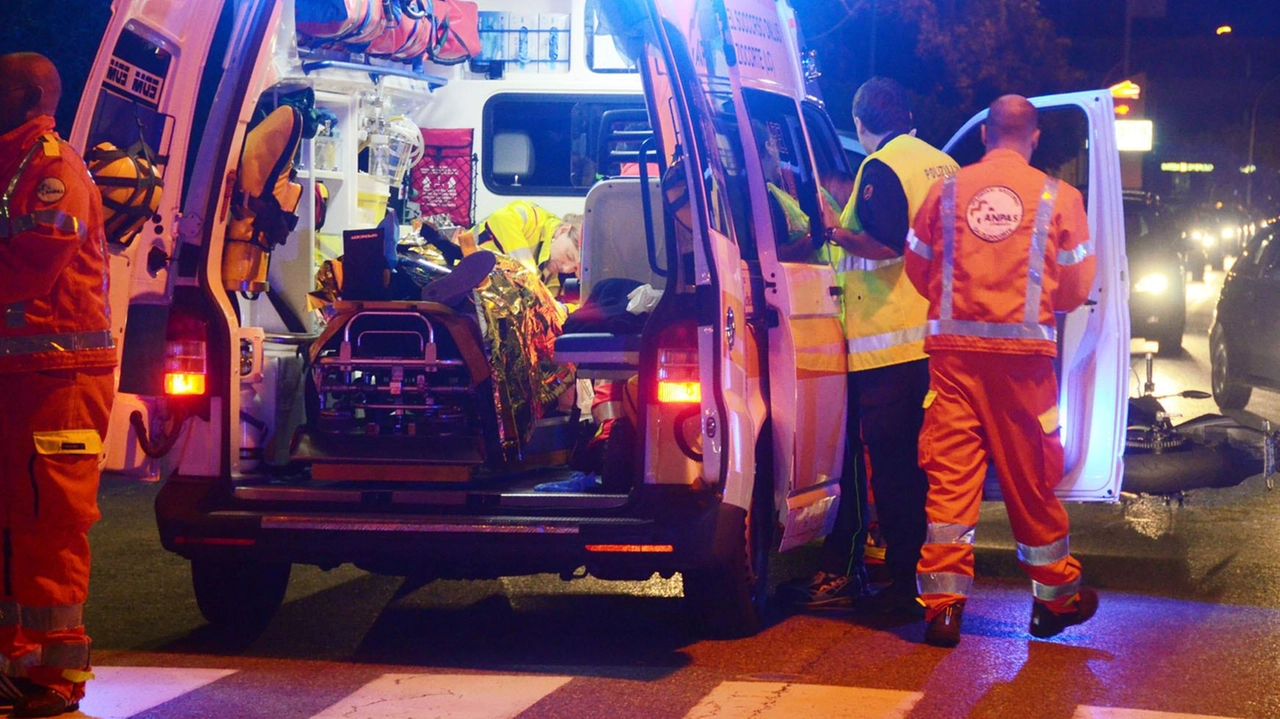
<point x="884" y="315"/>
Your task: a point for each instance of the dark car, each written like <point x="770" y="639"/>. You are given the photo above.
<point x="1157" y="273"/>
<point x="1244" y="341"/>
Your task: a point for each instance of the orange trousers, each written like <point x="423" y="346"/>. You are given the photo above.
<point x="1002" y="409"/>
<point x="50" y="432"/>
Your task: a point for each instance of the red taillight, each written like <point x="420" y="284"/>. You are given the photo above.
<point x="185" y="364"/>
<point x="678" y="381"/>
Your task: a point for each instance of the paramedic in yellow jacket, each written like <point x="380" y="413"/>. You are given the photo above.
<point x="884" y="319"/>
<point x="56" y="375"/>
<point x="534" y="237"/>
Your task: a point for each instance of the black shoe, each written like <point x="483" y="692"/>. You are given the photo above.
<point x="457" y="286"/>
<point x="1047" y="623"/>
<point x="944" y="628"/>
<point x="43" y="702"/>
<point x="14" y="688"/>
<point x="824" y="590"/>
<point x="897" y="599"/>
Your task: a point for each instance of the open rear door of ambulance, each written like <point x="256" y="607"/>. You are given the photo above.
<point x="144" y="96"/>
<point x="1078" y="145"/>
<point x="806" y="365"/>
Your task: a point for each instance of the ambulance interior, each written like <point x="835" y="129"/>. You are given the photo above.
<point x="351" y="363"/>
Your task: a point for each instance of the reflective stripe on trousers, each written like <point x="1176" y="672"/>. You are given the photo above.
<point x="944" y="583"/>
<point x="60" y="342"/>
<point x="1050" y="592"/>
<point x="1046" y="554"/>
<point x="41" y="619"/>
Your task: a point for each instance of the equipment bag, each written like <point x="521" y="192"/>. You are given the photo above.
<point x="442" y="181"/>
<point x="457" y="32"/>
<point x="334" y="19"/>
<point x="130" y="186"/>
<point x="410" y="30"/>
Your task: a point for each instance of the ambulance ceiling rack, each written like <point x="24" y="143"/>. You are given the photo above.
<point x="375" y="71"/>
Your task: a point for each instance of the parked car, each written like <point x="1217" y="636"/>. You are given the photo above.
<point x="1244" y="340"/>
<point x="1157" y="273"/>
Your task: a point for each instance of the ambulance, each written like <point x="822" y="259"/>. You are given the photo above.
<point x="289" y="427"/>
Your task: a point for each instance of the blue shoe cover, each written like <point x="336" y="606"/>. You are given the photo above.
<point x="578" y="482"/>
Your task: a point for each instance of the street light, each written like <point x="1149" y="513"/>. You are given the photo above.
<point x="1253" y="132"/>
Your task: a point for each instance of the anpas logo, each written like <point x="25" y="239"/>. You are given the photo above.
<point x="994" y="213"/>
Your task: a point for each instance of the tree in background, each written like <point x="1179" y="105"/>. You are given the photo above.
<point x="955" y="56"/>
<point x="68" y="32"/>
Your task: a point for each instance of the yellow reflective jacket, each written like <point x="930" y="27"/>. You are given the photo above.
<point x="884" y="315"/>
<point x="522" y="231"/>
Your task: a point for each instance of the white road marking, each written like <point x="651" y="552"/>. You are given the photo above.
<point x="1084" y="712"/>
<point x="456" y="696"/>
<point x="772" y="700"/>
<point x="122" y="692"/>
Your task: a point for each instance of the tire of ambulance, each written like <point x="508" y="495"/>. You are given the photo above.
<point x="239" y="596"/>
<point x="731" y="599"/>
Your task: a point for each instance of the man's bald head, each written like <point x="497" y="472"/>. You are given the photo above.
<point x="1013" y="124"/>
<point x="29" y="87"/>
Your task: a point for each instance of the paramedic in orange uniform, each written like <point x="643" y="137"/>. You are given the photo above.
<point x="56" y="377"/>
<point x="997" y="249"/>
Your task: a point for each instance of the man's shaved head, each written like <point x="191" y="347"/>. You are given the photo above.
<point x="1012" y="123"/>
<point x="29" y="87"/>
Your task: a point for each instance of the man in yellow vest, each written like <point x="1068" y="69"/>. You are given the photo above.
<point x="884" y="319"/>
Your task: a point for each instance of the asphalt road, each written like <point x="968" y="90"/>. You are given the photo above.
<point x="1189" y="626"/>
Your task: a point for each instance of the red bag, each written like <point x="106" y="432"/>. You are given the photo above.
<point x="374" y="26"/>
<point x="457" y="32"/>
<point x="441" y="183"/>
<point x="410" y="31"/>
<point x="333" y="18"/>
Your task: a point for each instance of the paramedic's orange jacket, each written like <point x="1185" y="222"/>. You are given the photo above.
<point x="53" y="257"/>
<point x="991" y="291"/>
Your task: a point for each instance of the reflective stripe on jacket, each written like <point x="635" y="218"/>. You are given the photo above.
<point x="997" y="249"/>
<point x="884" y="315"/>
<point x="53" y="256"/>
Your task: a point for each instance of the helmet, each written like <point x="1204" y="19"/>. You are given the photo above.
<point x="130" y="187"/>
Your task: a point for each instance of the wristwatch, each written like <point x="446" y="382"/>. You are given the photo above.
<point x="829" y="235"/>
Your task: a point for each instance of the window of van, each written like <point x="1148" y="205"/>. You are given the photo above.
<point x="789" y="177"/>
<point x="545" y="144"/>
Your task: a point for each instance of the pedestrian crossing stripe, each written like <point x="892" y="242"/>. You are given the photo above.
<point x="1112" y="713"/>
<point x="465" y="696"/>
<point x="776" y="700"/>
<point x="125" y="692"/>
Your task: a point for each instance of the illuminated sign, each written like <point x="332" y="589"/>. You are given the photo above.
<point x="1127" y="90"/>
<point x="1134" y="135"/>
<point x="1186" y="166"/>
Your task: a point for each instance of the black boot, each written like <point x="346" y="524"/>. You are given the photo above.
<point x="944" y="628"/>
<point x="43" y="702"/>
<point x="1047" y="623"/>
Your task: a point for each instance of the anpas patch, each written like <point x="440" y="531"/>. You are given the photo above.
<point x="994" y="213"/>
<point x="50" y="190"/>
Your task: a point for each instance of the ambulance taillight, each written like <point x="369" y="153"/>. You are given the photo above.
<point x="678" y="381"/>
<point x="185" y="361"/>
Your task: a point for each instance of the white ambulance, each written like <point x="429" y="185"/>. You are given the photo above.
<point x="367" y="432"/>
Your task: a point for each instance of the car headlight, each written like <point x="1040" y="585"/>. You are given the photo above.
<point x="1228" y="233"/>
<point x="1208" y="240"/>
<point x="1197" y="234"/>
<point x="1152" y="284"/>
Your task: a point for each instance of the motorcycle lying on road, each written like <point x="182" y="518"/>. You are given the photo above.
<point x="1209" y="451"/>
